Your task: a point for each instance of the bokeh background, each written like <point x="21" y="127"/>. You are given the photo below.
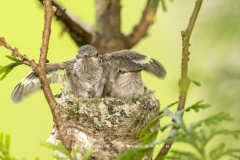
<point x="214" y="62"/>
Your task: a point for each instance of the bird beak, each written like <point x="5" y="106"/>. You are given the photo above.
<point x="136" y="71"/>
<point x="87" y="57"/>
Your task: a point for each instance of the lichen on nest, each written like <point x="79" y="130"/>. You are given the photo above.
<point x="109" y="114"/>
<point x="93" y="122"/>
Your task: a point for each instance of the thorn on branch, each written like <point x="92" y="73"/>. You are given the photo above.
<point x="54" y="9"/>
<point x="2" y="42"/>
<point x="15" y="52"/>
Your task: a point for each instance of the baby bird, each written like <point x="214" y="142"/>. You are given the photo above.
<point x="116" y="74"/>
<point x="84" y="73"/>
<point x="124" y="79"/>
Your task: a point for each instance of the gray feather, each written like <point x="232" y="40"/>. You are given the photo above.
<point x="56" y="73"/>
<point x="125" y="56"/>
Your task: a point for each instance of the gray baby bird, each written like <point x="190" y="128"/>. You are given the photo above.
<point x="124" y="79"/>
<point x="115" y="74"/>
<point x="84" y="73"/>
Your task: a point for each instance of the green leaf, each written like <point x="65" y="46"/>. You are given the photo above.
<point x="2" y="69"/>
<point x="6" y="73"/>
<point x="130" y="154"/>
<point x="198" y="106"/>
<point x="87" y="155"/>
<point x="1" y="140"/>
<point x="7" y="142"/>
<point x="218" y="118"/>
<point x="13" y="58"/>
<point x="220" y="151"/>
<point x="150" y="137"/>
<point x="7" y="69"/>
<point x="58" y="147"/>
<point x="137" y="153"/>
<point x="234" y="133"/>
<point x="172" y="104"/>
<point x="211" y="120"/>
<point x="164" y="6"/>
<point x="155" y="120"/>
<point x="195" y="82"/>
<point x="149" y="126"/>
<point x="177" y="155"/>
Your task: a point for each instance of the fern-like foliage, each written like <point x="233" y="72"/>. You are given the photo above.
<point x="155" y="120"/>
<point x="197" y="106"/>
<point x="164" y="5"/>
<point x="4" y="148"/>
<point x="177" y="155"/>
<point x="5" y="145"/>
<point x="64" y="154"/>
<point x="191" y="134"/>
<point x="5" y="70"/>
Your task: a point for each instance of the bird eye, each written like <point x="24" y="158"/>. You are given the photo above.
<point x="97" y="55"/>
<point x="120" y="71"/>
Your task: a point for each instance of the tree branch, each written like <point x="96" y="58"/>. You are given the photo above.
<point x="15" y="53"/>
<point x="42" y="65"/>
<point x="184" y="81"/>
<point x="40" y="68"/>
<point x="140" y="30"/>
<point x="77" y="33"/>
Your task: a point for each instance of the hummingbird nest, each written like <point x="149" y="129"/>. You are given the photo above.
<point x="108" y="126"/>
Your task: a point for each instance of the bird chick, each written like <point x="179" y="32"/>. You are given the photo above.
<point x="116" y="74"/>
<point x="124" y="76"/>
<point x="84" y="73"/>
<point x="126" y="81"/>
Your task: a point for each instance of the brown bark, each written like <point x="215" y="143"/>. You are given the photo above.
<point x="40" y="69"/>
<point x="77" y="32"/>
<point x="184" y="81"/>
<point x="107" y="36"/>
<point x="140" y="30"/>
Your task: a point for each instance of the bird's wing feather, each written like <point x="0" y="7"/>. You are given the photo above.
<point x="55" y="72"/>
<point x="147" y="63"/>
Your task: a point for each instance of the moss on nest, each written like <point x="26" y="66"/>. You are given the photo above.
<point x="104" y="122"/>
<point x="109" y="114"/>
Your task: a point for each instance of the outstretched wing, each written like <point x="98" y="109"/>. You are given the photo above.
<point x="56" y="73"/>
<point x="147" y="63"/>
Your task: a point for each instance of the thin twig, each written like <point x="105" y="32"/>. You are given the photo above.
<point x="15" y="53"/>
<point x="140" y="30"/>
<point x="77" y="32"/>
<point x="40" y="68"/>
<point x="42" y="64"/>
<point x="42" y="71"/>
<point x="184" y="81"/>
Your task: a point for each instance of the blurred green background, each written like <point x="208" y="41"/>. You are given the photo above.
<point x="214" y="62"/>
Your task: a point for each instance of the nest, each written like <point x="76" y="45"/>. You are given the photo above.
<point x="108" y="126"/>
